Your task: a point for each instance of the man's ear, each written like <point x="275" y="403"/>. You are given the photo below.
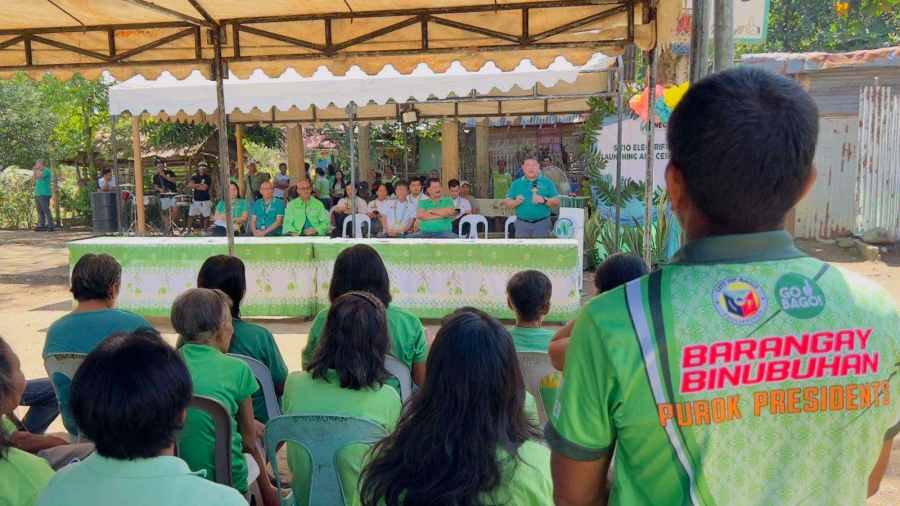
<point x="675" y="187"/>
<point x="809" y="183"/>
<point x="509" y="304"/>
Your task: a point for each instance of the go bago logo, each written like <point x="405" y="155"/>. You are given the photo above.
<point x="739" y="300"/>
<point x="799" y="296"/>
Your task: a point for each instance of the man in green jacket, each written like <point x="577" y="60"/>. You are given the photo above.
<point x="305" y="215"/>
<point x="43" y="192"/>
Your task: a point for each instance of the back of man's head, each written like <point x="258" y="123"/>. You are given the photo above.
<point x="743" y="141"/>
<point x="95" y="277"/>
<point x="529" y="295"/>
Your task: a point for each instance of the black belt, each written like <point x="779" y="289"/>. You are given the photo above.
<point x="533" y="221"/>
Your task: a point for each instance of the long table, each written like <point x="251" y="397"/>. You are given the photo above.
<point x="290" y="276"/>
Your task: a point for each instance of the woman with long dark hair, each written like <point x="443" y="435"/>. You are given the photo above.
<point x="228" y="274"/>
<point x="360" y="268"/>
<point x="337" y="186"/>
<point x="464" y="438"/>
<point x="346" y="377"/>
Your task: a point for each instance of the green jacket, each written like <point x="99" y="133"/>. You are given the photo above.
<point x="297" y="213"/>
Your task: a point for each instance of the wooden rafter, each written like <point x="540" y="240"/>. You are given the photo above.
<point x="170" y="12"/>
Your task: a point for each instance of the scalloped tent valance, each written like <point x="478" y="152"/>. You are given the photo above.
<point x="147" y="37"/>
<point x="560" y="89"/>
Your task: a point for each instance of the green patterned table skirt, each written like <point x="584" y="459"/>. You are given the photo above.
<point x="290" y="276"/>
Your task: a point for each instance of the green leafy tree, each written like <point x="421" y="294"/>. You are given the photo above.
<point x="25" y="123"/>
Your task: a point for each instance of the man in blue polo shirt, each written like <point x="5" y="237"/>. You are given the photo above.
<point x="532" y="196"/>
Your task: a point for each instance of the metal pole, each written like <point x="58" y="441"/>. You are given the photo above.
<point x="113" y="140"/>
<point x="648" y="181"/>
<point x="351" y="124"/>
<point x="724" y="34"/>
<point x="699" y="38"/>
<point x="222" y="125"/>
<point x="620" y="113"/>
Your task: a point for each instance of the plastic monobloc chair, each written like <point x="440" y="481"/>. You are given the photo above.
<point x="264" y="377"/>
<point x="535" y="365"/>
<point x="61" y="368"/>
<point x="323" y="436"/>
<point x="400" y="371"/>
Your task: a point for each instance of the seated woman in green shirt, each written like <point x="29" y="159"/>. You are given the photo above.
<point x="129" y="397"/>
<point x="346" y="377"/>
<point x="22" y="475"/>
<point x="202" y="319"/>
<point x="228" y="274"/>
<point x="360" y="268"/>
<point x="465" y="436"/>
<point x="239" y="211"/>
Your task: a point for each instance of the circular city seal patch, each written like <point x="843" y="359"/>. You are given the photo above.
<point x="564" y="228"/>
<point x="740" y="300"/>
<point x="799" y="296"/>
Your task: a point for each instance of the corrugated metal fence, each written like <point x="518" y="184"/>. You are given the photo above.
<point x="878" y="180"/>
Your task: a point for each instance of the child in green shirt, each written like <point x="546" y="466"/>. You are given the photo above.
<point x="528" y="294"/>
<point x="202" y="319"/>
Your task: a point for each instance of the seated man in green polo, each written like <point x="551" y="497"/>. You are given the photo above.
<point x="268" y="212"/>
<point x="305" y="215"/>
<point x="435" y="214"/>
<point x="744" y="372"/>
<point x="532" y="196"/>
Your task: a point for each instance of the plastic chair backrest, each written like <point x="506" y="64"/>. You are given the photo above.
<point x="509" y="222"/>
<point x="61" y="368"/>
<point x="535" y="365"/>
<point x="400" y="371"/>
<point x="264" y="377"/>
<point x="222" y="423"/>
<point x="323" y="436"/>
<point x="473" y="220"/>
<point x="360" y="220"/>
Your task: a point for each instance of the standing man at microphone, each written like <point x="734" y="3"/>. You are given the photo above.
<point x="532" y="196"/>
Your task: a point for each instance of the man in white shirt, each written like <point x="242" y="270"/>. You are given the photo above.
<point x="401" y="218"/>
<point x="282" y="181"/>
<point x="460" y="203"/>
<point x="415" y="190"/>
<point x="107" y="182"/>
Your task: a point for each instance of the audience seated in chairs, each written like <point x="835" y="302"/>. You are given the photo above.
<point x="202" y="319"/>
<point x="380" y="208"/>
<point x="465" y="436"/>
<point x="22" y="475"/>
<point x="95" y="284"/>
<point x="227" y="273"/>
<point x="129" y="397"/>
<point x="268" y="213"/>
<point x="346" y="377"/>
<point x="360" y="268"/>
<point x="402" y="214"/>
<point x="344" y="208"/>
<point x="239" y="212"/>
<point x="435" y="214"/>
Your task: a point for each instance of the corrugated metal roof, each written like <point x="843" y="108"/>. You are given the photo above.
<point x="802" y="63"/>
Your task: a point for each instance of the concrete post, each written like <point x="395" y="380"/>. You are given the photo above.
<point x="449" y="151"/>
<point x="482" y="158"/>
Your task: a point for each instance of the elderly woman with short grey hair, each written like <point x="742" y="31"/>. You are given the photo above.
<point x="202" y="318"/>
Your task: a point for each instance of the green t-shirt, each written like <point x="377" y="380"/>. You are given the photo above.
<point x="531" y="339"/>
<point x="436" y="224"/>
<point x="742" y="373"/>
<point x="408" y="342"/>
<point x="22" y="477"/>
<point x="304" y="394"/>
<point x="102" y="481"/>
<point x="42" y="185"/>
<point x="7" y="426"/>
<point x="257" y="342"/>
<point x="238" y="207"/>
<point x="228" y="380"/>
<point x="300" y="215"/>
<point x="526" y="480"/>
<point x="266" y="214"/>
<point x="501" y="184"/>
<point x="323" y="187"/>
<point x="528" y="210"/>
<point x="80" y="333"/>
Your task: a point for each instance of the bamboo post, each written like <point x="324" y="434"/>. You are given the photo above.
<point x="138" y="172"/>
<point x="222" y="125"/>
<point x="239" y="140"/>
<point x="648" y="181"/>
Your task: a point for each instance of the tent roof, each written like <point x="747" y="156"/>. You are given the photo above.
<point x="146" y="37"/>
<point x="561" y="88"/>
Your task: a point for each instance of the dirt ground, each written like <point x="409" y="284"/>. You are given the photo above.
<point x="33" y="293"/>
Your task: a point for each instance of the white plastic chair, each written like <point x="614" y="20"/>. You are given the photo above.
<point x="360" y="220"/>
<point x="509" y="222"/>
<point x="61" y="368"/>
<point x="473" y="220"/>
<point x="535" y="365"/>
<point x="400" y="371"/>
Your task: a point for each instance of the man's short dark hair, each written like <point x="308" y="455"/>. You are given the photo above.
<point x="129" y="394"/>
<point x="744" y="141"/>
<point x="106" y="171"/>
<point x="282" y="164"/>
<point x="94" y="277"/>
<point x="453" y="183"/>
<point x="401" y="182"/>
<point x="431" y="180"/>
<point x="529" y="293"/>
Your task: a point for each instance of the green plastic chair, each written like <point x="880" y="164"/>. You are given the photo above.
<point x="323" y="436"/>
